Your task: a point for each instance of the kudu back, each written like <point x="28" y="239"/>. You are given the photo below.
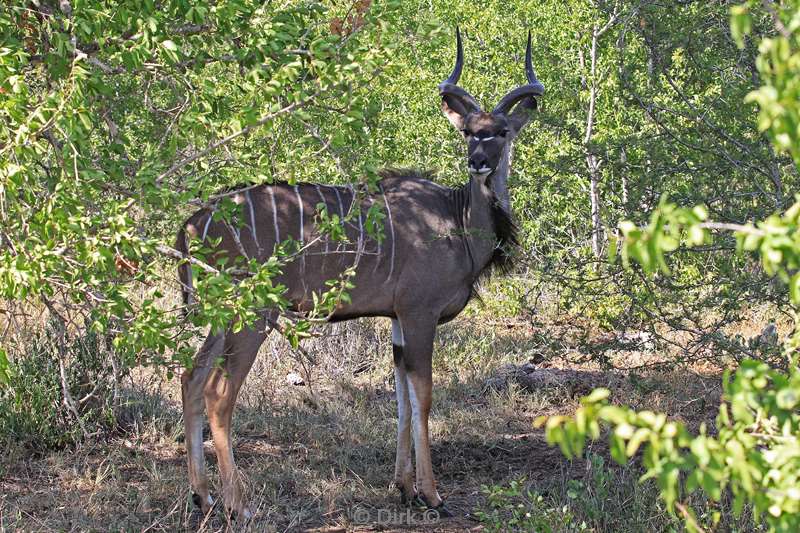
<point x="438" y="241"/>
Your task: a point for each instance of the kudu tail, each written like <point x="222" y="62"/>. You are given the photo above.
<point x="185" y="271"/>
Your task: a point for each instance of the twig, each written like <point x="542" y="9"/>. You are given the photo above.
<point x="782" y="29"/>
<point x="225" y="140"/>
<point x="69" y="402"/>
<point x="175" y="254"/>
<point x="741" y="228"/>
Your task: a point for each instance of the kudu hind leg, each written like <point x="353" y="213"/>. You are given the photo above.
<point x="403" y="467"/>
<point x="192" y="384"/>
<point x="221" y="391"/>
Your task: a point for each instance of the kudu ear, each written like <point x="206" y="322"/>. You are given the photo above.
<point x="456" y="102"/>
<point x="454" y="111"/>
<point x="522" y="114"/>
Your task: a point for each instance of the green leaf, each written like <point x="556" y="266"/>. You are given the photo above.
<point x="741" y="24"/>
<point x="596" y="396"/>
<point x="787" y="398"/>
<point x="5" y="368"/>
<point x="794" y="289"/>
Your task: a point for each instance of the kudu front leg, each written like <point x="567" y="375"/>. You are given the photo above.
<point x="417" y="354"/>
<point x="403" y="467"/>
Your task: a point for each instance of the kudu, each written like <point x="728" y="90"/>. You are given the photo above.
<point x="438" y="242"/>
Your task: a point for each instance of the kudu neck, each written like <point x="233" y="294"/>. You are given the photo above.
<point x="488" y="201"/>
<point x="499" y="180"/>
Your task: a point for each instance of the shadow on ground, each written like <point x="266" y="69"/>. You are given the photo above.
<point x="324" y="461"/>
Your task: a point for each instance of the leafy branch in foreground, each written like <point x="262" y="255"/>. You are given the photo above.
<point x="753" y="452"/>
<point x="116" y="117"/>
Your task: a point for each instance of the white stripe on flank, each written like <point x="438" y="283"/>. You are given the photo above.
<point x="325" y="203"/>
<point x="380" y="247"/>
<point x="378" y="239"/>
<point x="252" y="220"/>
<point x="274" y="215"/>
<point x="353" y="192"/>
<point x="391" y="230"/>
<point x="359" y="248"/>
<point x="302" y="238"/>
<point x="360" y="232"/>
<point x="208" y="223"/>
<point x="341" y="206"/>
<point x="397" y="333"/>
<point x="300" y="203"/>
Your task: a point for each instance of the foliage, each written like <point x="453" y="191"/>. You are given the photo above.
<point x="513" y="508"/>
<point x="754" y="450"/>
<point x="118" y="117"/>
<point x="667" y="119"/>
<point x="36" y="414"/>
<point x="595" y="496"/>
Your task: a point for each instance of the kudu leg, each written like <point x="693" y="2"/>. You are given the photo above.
<point x="417" y="353"/>
<point x="192" y="383"/>
<point x="220" y="392"/>
<point x="403" y="467"/>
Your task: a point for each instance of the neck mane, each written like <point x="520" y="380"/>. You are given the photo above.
<point x="487" y="228"/>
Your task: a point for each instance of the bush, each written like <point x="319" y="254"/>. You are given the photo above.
<point x="753" y="452"/>
<point x="600" y="497"/>
<point x="515" y="508"/>
<point x="58" y="391"/>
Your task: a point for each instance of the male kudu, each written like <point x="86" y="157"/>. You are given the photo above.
<point x="438" y="242"/>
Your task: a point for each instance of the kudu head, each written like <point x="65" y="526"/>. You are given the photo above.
<point x="488" y="135"/>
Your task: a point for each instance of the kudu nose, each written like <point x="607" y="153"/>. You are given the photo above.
<point x="477" y="162"/>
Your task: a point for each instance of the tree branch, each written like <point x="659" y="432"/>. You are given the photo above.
<point x="225" y="140"/>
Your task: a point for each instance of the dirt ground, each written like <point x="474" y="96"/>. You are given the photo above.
<point x="321" y="458"/>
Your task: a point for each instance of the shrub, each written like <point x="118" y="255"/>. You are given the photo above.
<point x="58" y="391"/>
<point x="753" y="452"/>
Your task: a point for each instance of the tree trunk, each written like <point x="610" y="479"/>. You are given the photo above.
<point x="592" y="162"/>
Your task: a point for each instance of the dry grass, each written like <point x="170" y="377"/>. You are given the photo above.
<point x="321" y="457"/>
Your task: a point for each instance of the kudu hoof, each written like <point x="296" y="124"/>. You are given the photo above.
<point x="408" y="499"/>
<point x="237" y="516"/>
<point x="441" y="510"/>
<point x="197" y="500"/>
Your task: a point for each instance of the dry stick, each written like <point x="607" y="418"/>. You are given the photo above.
<point x="769" y="5"/>
<point x="67" y="396"/>
<point x="742" y="228"/>
<point x="162" y="519"/>
<point x="687" y="515"/>
<point x="175" y="254"/>
<point x="280" y="329"/>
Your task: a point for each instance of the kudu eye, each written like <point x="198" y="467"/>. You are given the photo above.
<point x="503" y="133"/>
<point x="466" y="133"/>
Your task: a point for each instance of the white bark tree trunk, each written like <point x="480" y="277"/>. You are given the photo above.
<point x="590" y="82"/>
